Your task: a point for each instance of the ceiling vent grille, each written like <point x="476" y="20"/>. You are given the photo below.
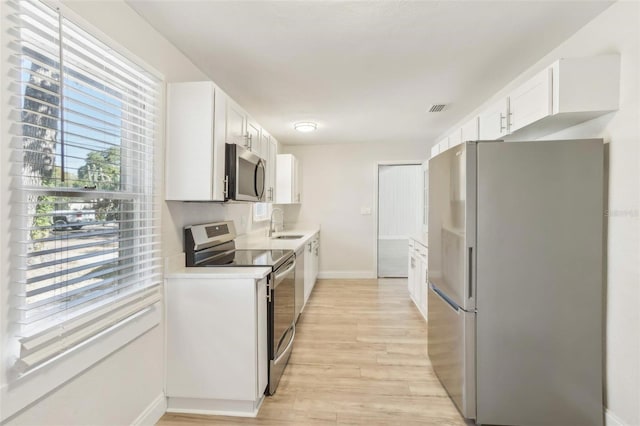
<point x="436" y="108"/>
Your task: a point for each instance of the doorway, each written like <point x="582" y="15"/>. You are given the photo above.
<point x="400" y="196"/>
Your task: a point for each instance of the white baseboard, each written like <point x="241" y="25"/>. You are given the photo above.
<point x="153" y="412"/>
<point x="611" y="419"/>
<point x="346" y="275"/>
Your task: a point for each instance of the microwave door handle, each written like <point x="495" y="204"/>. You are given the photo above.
<point x="259" y="169"/>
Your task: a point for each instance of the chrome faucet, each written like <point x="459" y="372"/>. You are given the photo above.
<point x="271" y="224"/>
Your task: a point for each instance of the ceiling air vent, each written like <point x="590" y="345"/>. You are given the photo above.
<point x="436" y="108"/>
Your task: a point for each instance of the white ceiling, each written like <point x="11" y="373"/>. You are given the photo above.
<point x="366" y="71"/>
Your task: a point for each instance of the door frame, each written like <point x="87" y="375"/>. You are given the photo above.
<point x="377" y="201"/>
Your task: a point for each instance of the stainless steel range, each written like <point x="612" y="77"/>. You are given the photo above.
<point x="213" y="245"/>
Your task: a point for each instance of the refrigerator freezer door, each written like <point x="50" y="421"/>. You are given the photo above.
<point x="452" y="223"/>
<point x="452" y="350"/>
<point x="539" y="281"/>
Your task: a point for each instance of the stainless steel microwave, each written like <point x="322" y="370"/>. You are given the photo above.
<point x="244" y="174"/>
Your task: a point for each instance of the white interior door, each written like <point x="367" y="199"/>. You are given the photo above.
<point x="400" y="199"/>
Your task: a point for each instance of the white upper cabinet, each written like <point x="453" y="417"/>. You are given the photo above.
<point x="568" y="92"/>
<point x="261" y="146"/>
<point x="493" y="120"/>
<point x="455" y="138"/>
<point x="287" y="180"/>
<point x="201" y="118"/>
<point x="194" y="146"/>
<point x="470" y="131"/>
<point x="531" y="101"/>
<point x="235" y="124"/>
<point x="588" y="87"/>
<point x="253" y="139"/>
<point x="270" y="149"/>
<point x="435" y="150"/>
<point x="443" y="144"/>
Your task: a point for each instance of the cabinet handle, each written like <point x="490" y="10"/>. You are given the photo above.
<point x="502" y="118"/>
<point x="226" y="186"/>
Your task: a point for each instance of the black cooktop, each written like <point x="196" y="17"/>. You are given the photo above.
<point x="272" y="258"/>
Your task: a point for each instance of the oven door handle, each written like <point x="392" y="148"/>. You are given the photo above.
<point x="279" y="275"/>
<point x="286" y="350"/>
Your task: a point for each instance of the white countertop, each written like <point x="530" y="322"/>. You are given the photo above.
<point x="421" y="238"/>
<point x="261" y="241"/>
<point x="175" y="265"/>
<point x="175" y="269"/>
<point x="251" y="272"/>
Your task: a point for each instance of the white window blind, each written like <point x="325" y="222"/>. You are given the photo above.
<point x="85" y="214"/>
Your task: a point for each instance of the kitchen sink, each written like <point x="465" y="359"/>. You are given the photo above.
<point x="287" y="237"/>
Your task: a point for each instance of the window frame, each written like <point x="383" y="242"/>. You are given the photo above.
<point x="18" y="391"/>
<point x="257" y="217"/>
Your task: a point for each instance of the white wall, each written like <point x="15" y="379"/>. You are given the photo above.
<point x="616" y="30"/>
<point x="118" y="389"/>
<point x="337" y="180"/>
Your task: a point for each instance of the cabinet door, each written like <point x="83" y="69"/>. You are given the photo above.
<point x="316" y="258"/>
<point x="263" y="147"/>
<point x="455" y="138"/>
<point x="236" y="120"/>
<point x="493" y="121"/>
<point x="470" y="131"/>
<point x="271" y="170"/>
<point x="190" y="144"/>
<point x="252" y="137"/>
<point x="443" y="144"/>
<point x="435" y="150"/>
<point x="422" y="288"/>
<point x="287" y="180"/>
<point x="531" y="101"/>
<point x="308" y="270"/>
<point x="262" y="350"/>
<point x="411" y="279"/>
<point x="296" y="181"/>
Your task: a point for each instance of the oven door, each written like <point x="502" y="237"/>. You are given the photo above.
<point x="281" y="321"/>
<point x="245" y="174"/>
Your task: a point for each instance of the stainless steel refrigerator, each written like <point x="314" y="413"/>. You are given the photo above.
<point x="516" y="280"/>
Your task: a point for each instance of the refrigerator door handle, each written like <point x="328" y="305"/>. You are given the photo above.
<point x="470" y="273"/>
<point x="444" y="297"/>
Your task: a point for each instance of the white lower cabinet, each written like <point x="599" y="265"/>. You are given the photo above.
<point x="217" y="359"/>
<point x="311" y="257"/>
<point x="418" y="278"/>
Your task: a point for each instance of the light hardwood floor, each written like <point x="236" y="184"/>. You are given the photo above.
<point x="360" y="358"/>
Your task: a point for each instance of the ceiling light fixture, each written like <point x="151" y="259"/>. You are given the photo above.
<point x="305" y="126"/>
